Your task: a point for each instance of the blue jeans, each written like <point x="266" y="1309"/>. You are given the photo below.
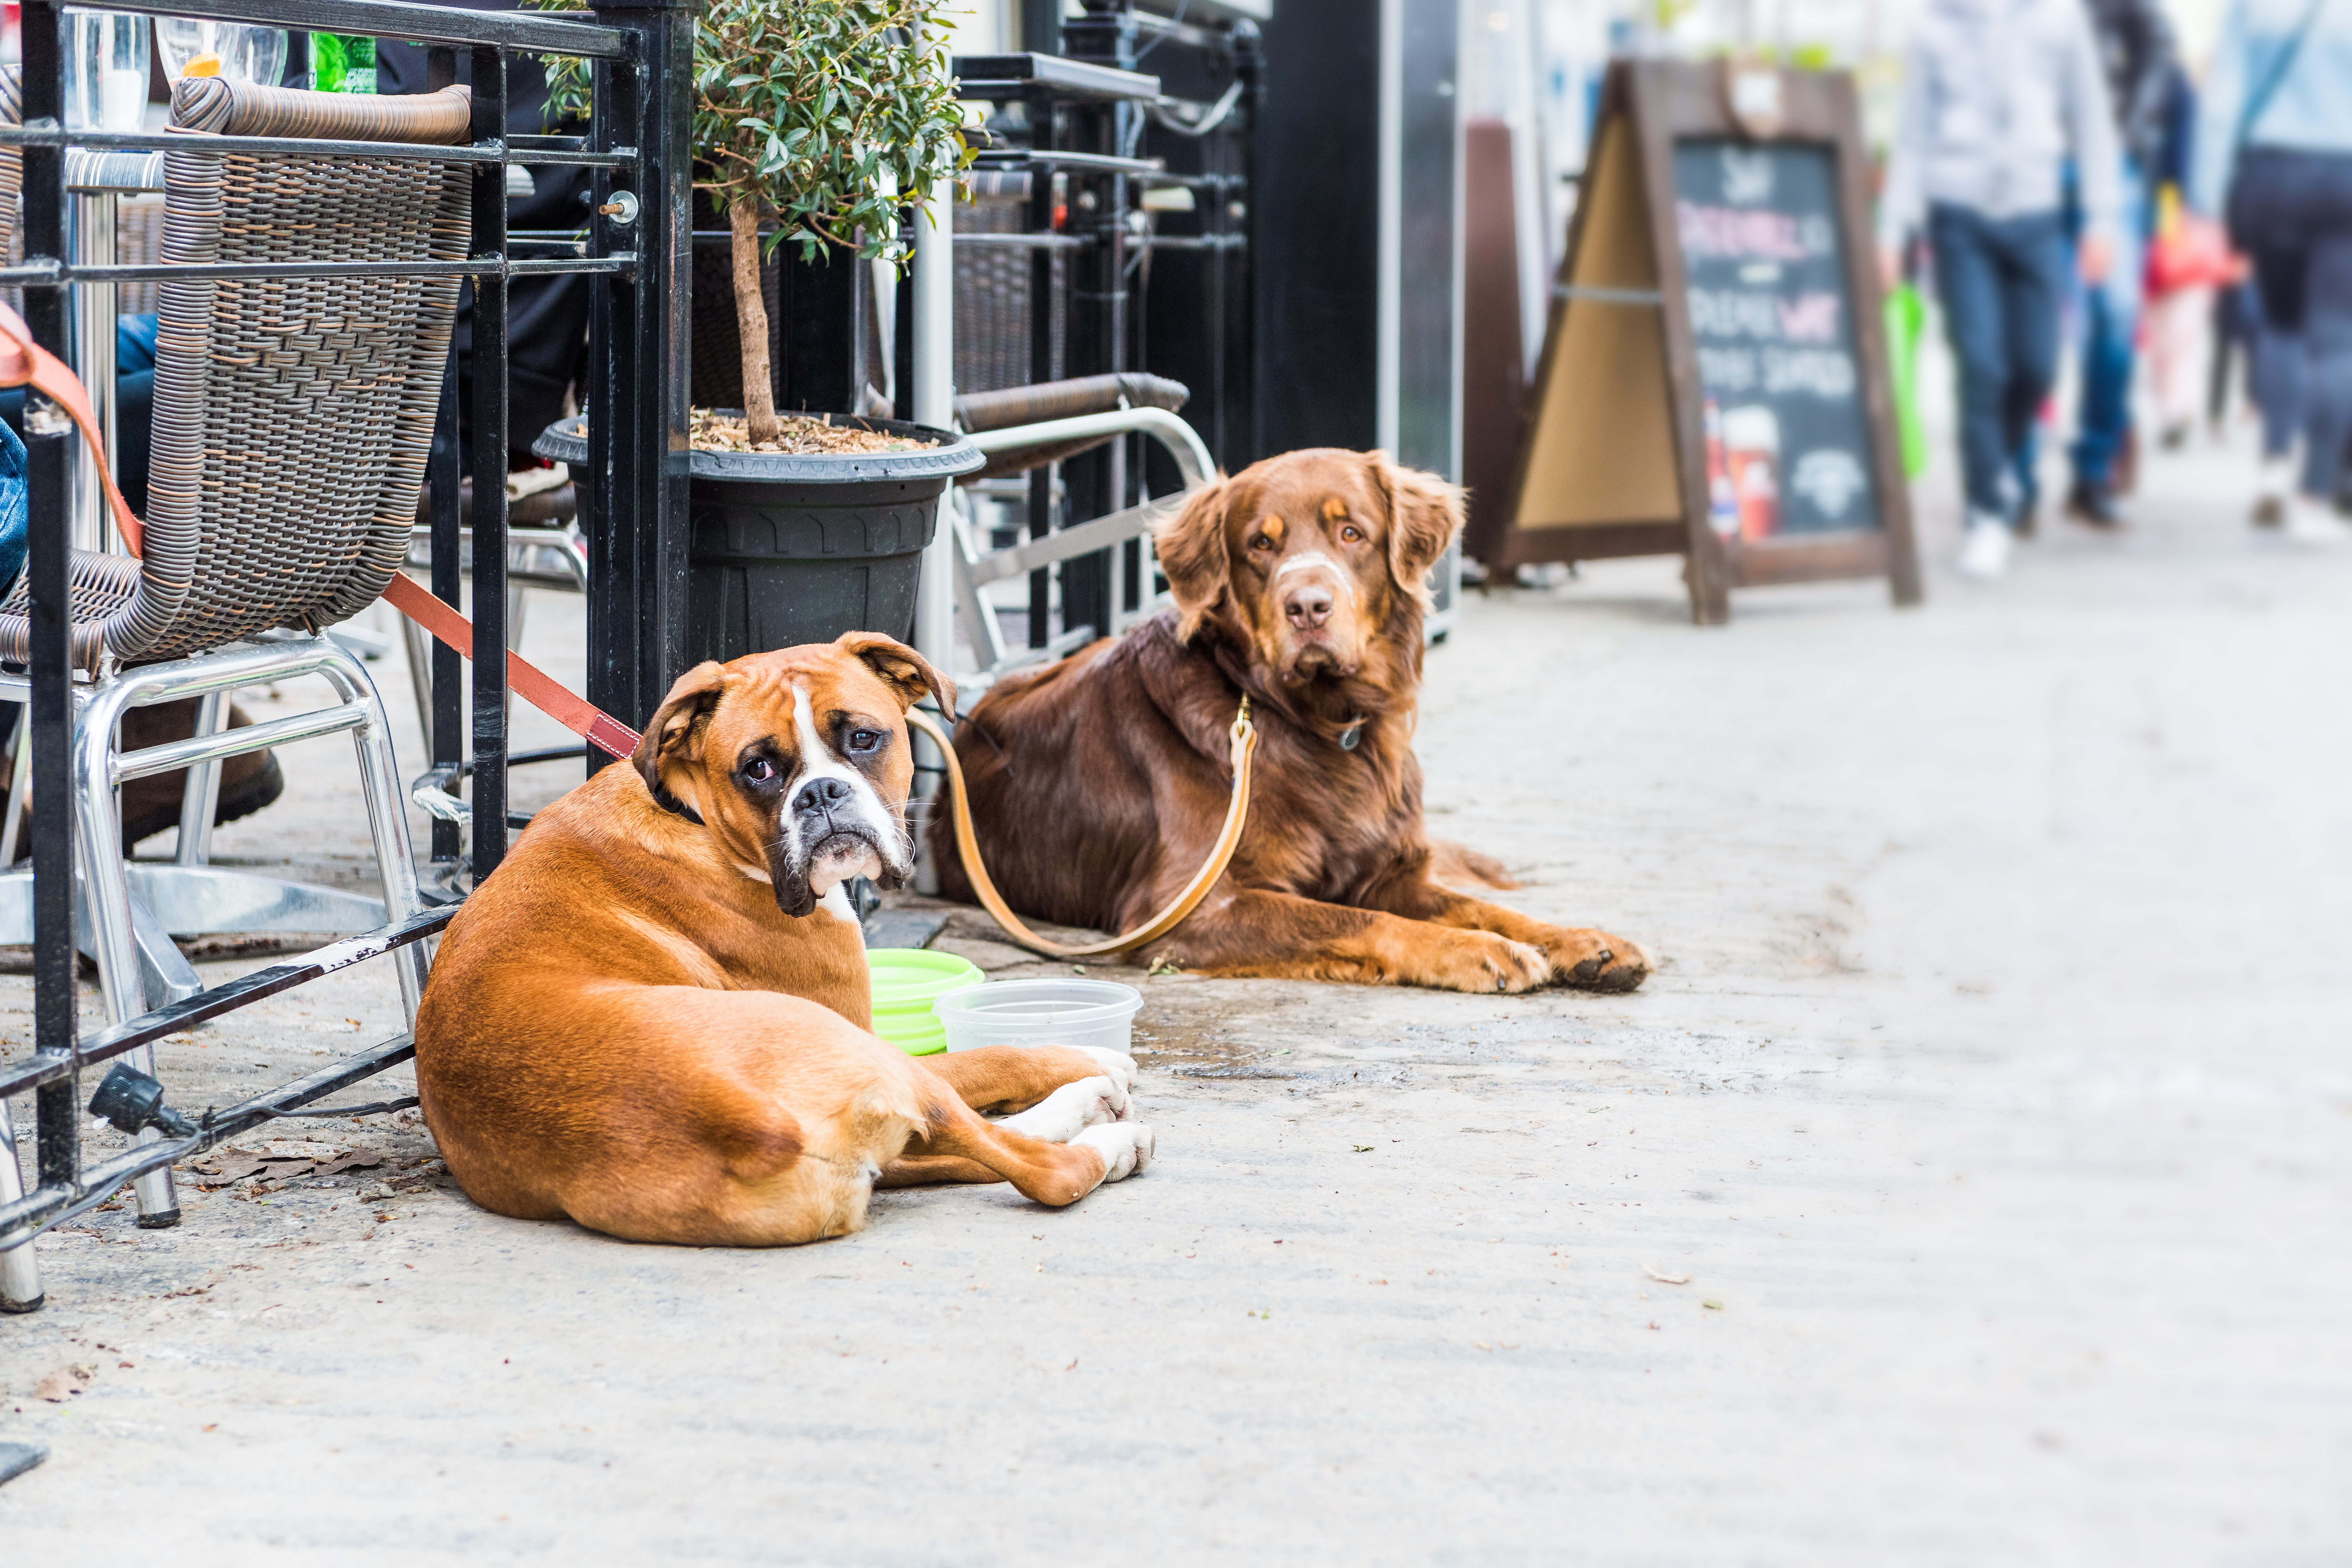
<point x="2292" y="212"/>
<point x="135" y="402"/>
<point x="2001" y="281"/>
<point x="2110" y="330"/>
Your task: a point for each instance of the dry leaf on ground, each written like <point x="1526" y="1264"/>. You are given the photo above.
<point x="1662" y="1277"/>
<point x="64" y="1384"/>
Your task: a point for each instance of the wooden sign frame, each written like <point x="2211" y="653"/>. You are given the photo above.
<point x="1620" y="458"/>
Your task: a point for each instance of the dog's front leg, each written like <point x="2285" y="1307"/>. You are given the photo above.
<point x="1576" y="956"/>
<point x="1281" y="936"/>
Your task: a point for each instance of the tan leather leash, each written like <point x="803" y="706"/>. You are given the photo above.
<point x="23" y="362"/>
<point x="1245" y="741"/>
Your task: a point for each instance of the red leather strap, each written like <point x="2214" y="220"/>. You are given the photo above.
<point x="530" y="682"/>
<point x="25" y="362"/>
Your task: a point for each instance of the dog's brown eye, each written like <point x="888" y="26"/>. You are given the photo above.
<point x="1352" y="534"/>
<point x="758" y="770"/>
<point x="865" y="740"/>
<point x="1261" y="543"/>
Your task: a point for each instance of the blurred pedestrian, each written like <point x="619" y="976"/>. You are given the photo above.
<point x="2136" y="44"/>
<point x="2189" y="262"/>
<point x="1996" y="95"/>
<point x="2275" y="158"/>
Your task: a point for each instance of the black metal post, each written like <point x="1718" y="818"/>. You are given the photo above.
<point x="447" y="741"/>
<point x="1044" y="303"/>
<point x="449" y="738"/>
<point x="50" y="711"/>
<point x="641" y="333"/>
<point x="1237" y="430"/>
<point x="490" y="440"/>
<point x="49" y="471"/>
<point x="1096" y="481"/>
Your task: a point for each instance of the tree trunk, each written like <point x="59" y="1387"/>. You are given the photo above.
<point x="752" y="320"/>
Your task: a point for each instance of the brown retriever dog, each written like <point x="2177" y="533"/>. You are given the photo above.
<point x="653" y="1019"/>
<point x="1099" y="783"/>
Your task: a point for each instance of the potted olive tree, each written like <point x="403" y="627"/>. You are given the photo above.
<point x="817" y="124"/>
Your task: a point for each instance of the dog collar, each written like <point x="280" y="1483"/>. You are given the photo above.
<point x="675" y="807"/>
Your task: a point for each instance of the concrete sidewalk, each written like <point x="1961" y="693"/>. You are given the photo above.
<point x="1992" y="1096"/>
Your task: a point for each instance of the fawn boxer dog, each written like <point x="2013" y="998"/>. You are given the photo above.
<point x="1099" y="783"/>
<point x="653" y="1019"/>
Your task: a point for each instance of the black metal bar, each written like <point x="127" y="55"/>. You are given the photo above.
<point x="447" y="743"/>
<point x="637" y="415"/>
<point x="536" y="31"/>
<point x="48" y="707"/>
<point x="57" y="1201"/>
<point x="526" y="759"/>
<point x="610" y="485"/>
<point x="489" y="452"/>
<point x="663" y="356"/>
<point x="492" y="151"/>
<point x="57" y="1119"/>
<point x="448" y="736"/>
<point x="1013" y="75"/>
<point x="1026" y="241"/>
<point x="1096" y="481"/>
<point x="1091" y="162"/>
<point x="1240" y="439"/>
<point x="1043" y="307"/>
<point x="242" y="992"/>
<point x="43" y="273"/>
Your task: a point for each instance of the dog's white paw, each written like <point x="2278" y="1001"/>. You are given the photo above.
<point x="1062" y="1115"/>
<point x="1119" y="1068"/>
<point x="1125" y="1147"/>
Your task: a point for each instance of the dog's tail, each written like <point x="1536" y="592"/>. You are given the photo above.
<point x="1461" y="867"/>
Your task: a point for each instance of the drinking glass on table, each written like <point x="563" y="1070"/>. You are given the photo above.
<point x="244" y="52"/>
<point x="106" y="71"/>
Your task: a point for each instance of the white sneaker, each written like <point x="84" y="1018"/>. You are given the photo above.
<point x="1984" y="551"/>
<point x="2310" y="520"/>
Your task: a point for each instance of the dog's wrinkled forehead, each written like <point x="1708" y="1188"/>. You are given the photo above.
<point x="787" y="700"/>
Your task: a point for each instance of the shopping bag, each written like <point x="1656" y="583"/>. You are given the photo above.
<point x="1906" y="324"/>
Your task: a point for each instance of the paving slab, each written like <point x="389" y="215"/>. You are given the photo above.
<point x="1970" y="1185"/>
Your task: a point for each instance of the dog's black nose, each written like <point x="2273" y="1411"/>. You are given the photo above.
<point x="1308" y="605"/>
<point x="820" y="794"/>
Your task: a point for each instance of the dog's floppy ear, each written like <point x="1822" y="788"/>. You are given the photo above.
<point x="1191" y="549"/>
<point x="1424" y="517"/>
<point x="902" y="669"/>
<point x="675" y="726"/>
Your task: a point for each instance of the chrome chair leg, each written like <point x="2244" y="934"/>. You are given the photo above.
<point x="201" y="800"/>
<point x="106" y="887"/>
<point x="419" y="645"/>
<point x="20" y="772"/>
<point x="20" y="1271"/>
<point x="387" y="809"/>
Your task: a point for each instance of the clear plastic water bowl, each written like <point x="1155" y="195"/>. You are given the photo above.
<point x="1098" y="1013"/>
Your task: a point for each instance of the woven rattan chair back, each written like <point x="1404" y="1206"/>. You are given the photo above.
<point x="292" y="416"/>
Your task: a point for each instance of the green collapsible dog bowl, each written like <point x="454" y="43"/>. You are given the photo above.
<point x="907" y="981"/>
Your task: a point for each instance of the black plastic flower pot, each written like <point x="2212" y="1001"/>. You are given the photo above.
<point x="790" y="548"/>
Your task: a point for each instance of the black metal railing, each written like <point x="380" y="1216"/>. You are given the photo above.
<point x="638" y="143"/>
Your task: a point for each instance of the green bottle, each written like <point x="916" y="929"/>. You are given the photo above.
<point x="341" y="63"/>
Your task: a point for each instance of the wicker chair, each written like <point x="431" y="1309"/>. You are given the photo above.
<point x="291" y="422"/>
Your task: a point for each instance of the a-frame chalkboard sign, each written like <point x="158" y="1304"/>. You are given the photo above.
<point x="1714" y="379"/>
